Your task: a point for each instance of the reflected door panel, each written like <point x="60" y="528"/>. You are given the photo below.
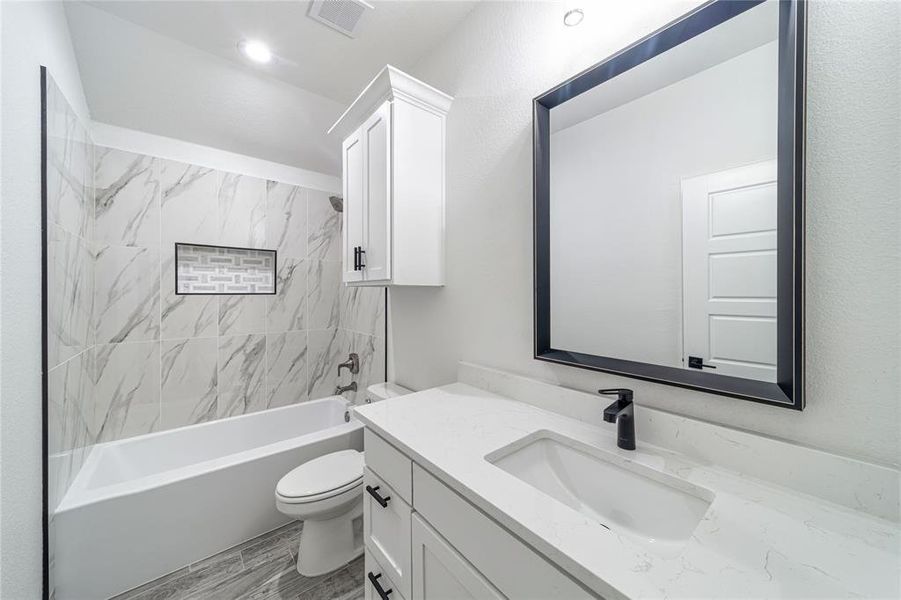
<point x="729" y="271"/>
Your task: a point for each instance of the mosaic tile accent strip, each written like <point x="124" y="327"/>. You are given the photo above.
<point x="223" y="270"/>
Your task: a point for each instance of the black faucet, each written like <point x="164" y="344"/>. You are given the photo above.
<point x="622" y="413"/>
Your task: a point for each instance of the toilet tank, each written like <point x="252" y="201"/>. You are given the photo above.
<point x="383" y="391"/>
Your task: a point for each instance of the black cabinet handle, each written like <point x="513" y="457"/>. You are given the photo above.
<point x="374" y="492"/>
<point x="374" y="580"/>
<point x="356" y="258"/>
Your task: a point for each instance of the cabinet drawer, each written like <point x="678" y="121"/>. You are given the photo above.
<point x="441" y="573"/>
<point x="386" y="529"/>
<point x="389" y="464"/>
<point x="382" y="578"/>
<point x="511" y="566"/>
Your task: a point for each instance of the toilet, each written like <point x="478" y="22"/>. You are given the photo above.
<point x="326" y="493"/>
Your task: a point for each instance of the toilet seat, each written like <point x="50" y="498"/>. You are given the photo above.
<point x="324" y="477"/>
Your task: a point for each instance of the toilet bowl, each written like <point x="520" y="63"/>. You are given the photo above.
<point x="326" y="493"/>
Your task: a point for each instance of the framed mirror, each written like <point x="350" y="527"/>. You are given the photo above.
<point x="669" y="207"/>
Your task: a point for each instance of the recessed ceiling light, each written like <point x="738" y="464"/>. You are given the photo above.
<point x="573" y="17"/>
<point x="255" y="50"/>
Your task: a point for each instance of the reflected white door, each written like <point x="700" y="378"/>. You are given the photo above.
<point x="729" y="271"/>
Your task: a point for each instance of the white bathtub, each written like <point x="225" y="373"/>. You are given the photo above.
<point x="145" y="506"/>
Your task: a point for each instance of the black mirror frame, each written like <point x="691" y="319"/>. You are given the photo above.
<point x="788" y="391"/>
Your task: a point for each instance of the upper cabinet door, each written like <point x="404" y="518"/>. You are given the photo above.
<point x="376" y="134"/>
<point x="354" y="169"/>
<point x="394" y="182"/>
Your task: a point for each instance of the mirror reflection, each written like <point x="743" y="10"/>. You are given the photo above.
<point x="663" y="207"/>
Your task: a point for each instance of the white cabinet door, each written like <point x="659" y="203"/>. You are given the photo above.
<point x="376" y="134"/>
<point x="729" y="271"/>
<point x="441" y="573"/>
<point x="386" y="529"/>
<point x="354" y="203"/>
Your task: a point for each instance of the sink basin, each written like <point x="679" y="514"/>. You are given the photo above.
<point x="655" y="509"/>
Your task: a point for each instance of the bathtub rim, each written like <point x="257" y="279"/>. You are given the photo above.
<point x="79" y="495"/>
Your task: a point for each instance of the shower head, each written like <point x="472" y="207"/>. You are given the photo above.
<point x="337" y="203"/>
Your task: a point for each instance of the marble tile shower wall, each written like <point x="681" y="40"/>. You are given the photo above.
<point x="163" y="360"/>
<point x="70" y="275"/>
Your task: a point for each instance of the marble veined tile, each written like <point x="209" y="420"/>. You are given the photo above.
<point x="287" y="309"/>
<point x="189" y="381"/>
<point x="184" y="316"/>
<point x="242" y="314"/>
<point x="126" y="294"/>
<point x="70" y="279"/>
<point x="363" y="310"/>
<point x="286" y="219"/>
<point x="371" y="350"/>
<point x="329" y="348"/>
<point x="188" y="204"/>
<point x="69" y="393"/>
<point x="242" y="366"/>
<point x="324" y="291"/>
<point x="70" y="390"/>
<point x="126" y="198"/>
<point x="326" y="349"/>
<point x="242" y="211"/>
<point x="286" y="368"/>
<point x="324" y="226"/>
<point x="126" y="390"/>
<point x="69" y="169"/>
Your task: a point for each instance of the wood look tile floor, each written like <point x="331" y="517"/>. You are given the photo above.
<point x="259" y="569"/>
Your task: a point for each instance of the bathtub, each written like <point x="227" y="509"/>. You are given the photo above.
<point x="145" y="506"/>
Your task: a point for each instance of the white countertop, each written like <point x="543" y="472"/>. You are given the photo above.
<point x="757" y="540"/>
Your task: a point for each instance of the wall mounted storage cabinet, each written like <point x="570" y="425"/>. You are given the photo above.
<point x="393" y="168"/>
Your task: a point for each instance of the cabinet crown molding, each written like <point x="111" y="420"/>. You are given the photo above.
<point x="389" y="84"/>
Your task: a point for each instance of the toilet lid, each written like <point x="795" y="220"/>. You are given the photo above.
<point x="321" y="475"/>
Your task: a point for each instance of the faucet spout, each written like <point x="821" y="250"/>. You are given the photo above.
<point x="621" y="412"/>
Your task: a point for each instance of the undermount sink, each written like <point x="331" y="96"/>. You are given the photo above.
<point x="654" y="509"/>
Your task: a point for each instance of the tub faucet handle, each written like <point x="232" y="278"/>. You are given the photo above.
<point x="352" y="364"/>
<point x="352" y="387"/>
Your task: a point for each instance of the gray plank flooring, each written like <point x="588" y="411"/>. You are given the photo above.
<point x="259" y="569"/>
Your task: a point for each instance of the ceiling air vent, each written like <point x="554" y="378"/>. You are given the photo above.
<point x="341" y="15"/>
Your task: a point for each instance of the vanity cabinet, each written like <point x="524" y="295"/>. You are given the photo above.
<point x="426" y="542"/>
<point x="393" y="183"/>
<point x="441" y="573"/>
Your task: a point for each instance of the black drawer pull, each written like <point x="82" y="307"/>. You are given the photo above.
<point x="374" y="492"/>
<point x="374" y="580"/>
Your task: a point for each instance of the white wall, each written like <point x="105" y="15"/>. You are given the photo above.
<point x="616" y="207"/>
<point x="484" y="314"/>
<point x="33" y="34"/>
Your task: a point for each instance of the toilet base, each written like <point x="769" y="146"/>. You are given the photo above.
<point x="327" y="545"/>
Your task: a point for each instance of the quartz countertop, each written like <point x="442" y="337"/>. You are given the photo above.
<point x="756" y="540"/>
